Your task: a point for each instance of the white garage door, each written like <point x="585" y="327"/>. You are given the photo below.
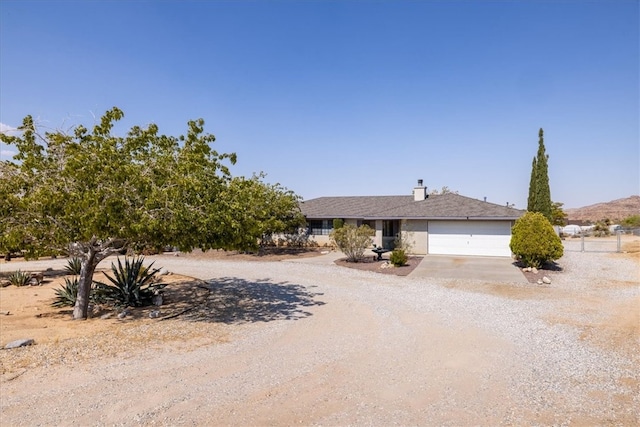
<point x="486" y="238"/>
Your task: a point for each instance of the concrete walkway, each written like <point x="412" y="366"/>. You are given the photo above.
<point x="491" y="269"/>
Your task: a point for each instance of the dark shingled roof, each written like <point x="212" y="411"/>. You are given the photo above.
<point x="442" y="206"/>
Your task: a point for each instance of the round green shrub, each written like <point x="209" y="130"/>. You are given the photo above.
<point x="398" y="257"/>
<point x="534" y="241"/>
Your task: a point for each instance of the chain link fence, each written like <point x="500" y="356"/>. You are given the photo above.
<point x="586" y="242"/>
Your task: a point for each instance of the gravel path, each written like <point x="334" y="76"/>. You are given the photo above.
<point x="334" y="346"/>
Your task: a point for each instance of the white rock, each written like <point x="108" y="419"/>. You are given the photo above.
<point x="157" y="300"/>
<point x="534" y="270"/>
<point x="546" y="280"/>
<point x="20" y="343"/>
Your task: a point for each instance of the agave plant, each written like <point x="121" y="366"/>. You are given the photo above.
<point x="73" y="266"/>
<point x="67" y="294"/>
<point x="132" y="284"/>
<point x="19" y="278"/>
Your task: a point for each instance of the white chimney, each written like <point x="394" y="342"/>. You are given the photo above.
<point x="419" y="192"/>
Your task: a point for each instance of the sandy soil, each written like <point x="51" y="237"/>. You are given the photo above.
<point x="344" y="361"/>
<point x="27" y="311"/>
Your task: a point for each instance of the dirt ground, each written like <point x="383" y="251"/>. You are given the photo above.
<point x="26" y="312"/>
<point x="28" y="306"/>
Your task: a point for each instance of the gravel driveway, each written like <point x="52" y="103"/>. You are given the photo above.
<point x="335" y="346"/>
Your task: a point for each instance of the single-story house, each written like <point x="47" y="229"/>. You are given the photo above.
<point x="446" y="224"/>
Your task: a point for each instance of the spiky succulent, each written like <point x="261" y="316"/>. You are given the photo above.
<point x="132" y="284"/>
<point x="19" y="278"/>
<point x="66" y="295"/>
<point x="73" y="266"/>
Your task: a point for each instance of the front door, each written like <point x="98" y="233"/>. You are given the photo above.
<point x="390" y="230"/>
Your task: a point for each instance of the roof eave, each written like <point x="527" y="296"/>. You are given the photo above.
<point x="435" y="218"/>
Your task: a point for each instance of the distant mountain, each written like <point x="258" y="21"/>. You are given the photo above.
<point x="614" y="210"/>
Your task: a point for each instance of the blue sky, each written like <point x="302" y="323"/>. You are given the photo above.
<point x="335" y="98"/>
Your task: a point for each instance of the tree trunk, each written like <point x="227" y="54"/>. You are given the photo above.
<point x="89" y="263"/>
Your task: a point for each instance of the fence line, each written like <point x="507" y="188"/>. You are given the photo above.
<point x="598" y="244"/>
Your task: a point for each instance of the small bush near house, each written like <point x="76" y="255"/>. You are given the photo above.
<point x="132" y="284"/>
<point x="295" y="240"/>
<point x="19" y="278"/>
<point x="352" y="241"/>
<point x="533" y="240"/>
<point x="398" y="257"/>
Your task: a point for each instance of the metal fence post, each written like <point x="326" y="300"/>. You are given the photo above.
<point x="582" y="242"/>
<point x="619" y="239"/>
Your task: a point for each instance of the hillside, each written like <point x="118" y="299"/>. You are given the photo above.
<point x="614" y="210"/>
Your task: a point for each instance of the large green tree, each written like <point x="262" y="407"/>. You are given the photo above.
<point x="558" y="215"/>
<point x="539" y="199"/>
<point x="253" y="211"/>
<point x="91" y="194"/>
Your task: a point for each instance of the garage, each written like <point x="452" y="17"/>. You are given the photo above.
<point x="483" y="238"/>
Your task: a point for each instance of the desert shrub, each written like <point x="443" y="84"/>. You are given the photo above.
<point x="73" y="266"/>
<point x="66" y="295"/>
<point x="132" y="284"/>
<point x="398" y="257"/>
<point x="601" y="228"/>
<point x="297" y="240"/>
<point x="19" y="278"/>
<point x="352" y="241"/>
<point x="338" y="223"/>
<point x="632" y="221"/>
<point x="534" y="241"/>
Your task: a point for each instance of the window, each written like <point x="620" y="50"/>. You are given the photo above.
<point x="320" y="227"/>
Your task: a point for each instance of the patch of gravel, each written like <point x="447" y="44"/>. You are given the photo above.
<point x="550" y="362"/>
<point x="552" y="376"/>
<point x="586" y="270"/>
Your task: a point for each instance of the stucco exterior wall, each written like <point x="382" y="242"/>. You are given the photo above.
<point x="415" y="231"/>
<point x="321" y="241"/>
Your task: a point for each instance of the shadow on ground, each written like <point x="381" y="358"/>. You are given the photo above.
<point x="233" y="300"/>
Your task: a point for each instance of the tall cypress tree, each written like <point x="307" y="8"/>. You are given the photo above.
<point x="531" y="201"/>
<point x="539" y="192"/>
